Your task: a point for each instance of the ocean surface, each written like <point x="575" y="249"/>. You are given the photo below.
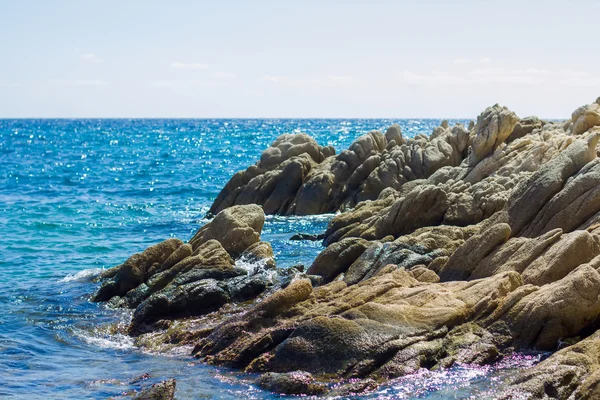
<point x="80" y="195"/>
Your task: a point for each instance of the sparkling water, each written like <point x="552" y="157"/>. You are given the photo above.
<point x="77" y="196"/>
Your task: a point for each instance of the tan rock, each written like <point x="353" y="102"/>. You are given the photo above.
<point x="585" y="117"/>
<point x="544" y="316"/>
<point x="493" y="127"/>
<point x="236" y="228"/>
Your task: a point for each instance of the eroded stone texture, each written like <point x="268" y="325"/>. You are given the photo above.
<point x="454" y="248"/>
<point x="174" y="279"/>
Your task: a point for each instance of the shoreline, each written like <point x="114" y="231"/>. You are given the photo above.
<point x="458" y="248"/>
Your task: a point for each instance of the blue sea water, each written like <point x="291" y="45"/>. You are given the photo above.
<point x="80" y="195"/>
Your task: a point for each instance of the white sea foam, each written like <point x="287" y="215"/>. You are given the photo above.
<point x="251" y="266"/>
<point x="115" y="341"/>
<point x="84" y="275"/>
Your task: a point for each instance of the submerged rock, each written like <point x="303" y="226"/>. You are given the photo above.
<point x="160" y="391"/>
<point x="307" y="236"/>
<point x="297" y="382"/>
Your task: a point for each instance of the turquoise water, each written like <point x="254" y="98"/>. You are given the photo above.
<point x="79" y="195"/>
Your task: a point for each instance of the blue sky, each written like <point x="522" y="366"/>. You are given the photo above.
<point x="141" y="58"/>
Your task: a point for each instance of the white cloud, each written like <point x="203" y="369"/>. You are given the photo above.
<point x="77" y="82"/>
<point x="8" y="85"/>
<point x="485" y="60"/>
<point x="91" y="58"/>
<point x="182" y="65"/>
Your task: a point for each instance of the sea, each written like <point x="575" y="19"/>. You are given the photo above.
<point x="81" y="195"/>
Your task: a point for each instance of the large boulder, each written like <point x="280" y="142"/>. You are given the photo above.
<point x="585" y="117"/>
<point x="236" y="228"/>
<point x="493" y="127"/>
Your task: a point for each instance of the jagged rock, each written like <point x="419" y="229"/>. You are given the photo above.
<point x="493" y="127"/>
<point x="380" y="255"/>
<point x="337" y="258"/>
<point x="540" y="317"/>
<point x="453" y="248"/>
<point x="577" y="201"/>
<point x="585" y="117"/>
<point x="312" y="181"/>
<point x="462" y="263"/>
<point x="571" y="373"/>
<point x="546" y="182"/>
<point x="236" y="228"/>
<point x="134" y="271"/>
<point x="275" y="179"/>
<point x="394" y="133"/>
<point x="524" y="127"/>
<point x="297" y="382"/>
<point x="337" y="328"/>
<point x="160" y="391"/>
<point x="193" y="298"/>
<point x="541" y="260"/>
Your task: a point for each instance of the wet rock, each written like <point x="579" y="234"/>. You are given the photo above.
<point x="193" y="298"/>
<point x="297" y="382"/>
<point x="336" y="327"/>
<point x="245" y="288"/>
<point x="133" y="272"/>
<point x="307" y="236"/>
<point x="569" y="373"/>
<point x="160" y="391"/>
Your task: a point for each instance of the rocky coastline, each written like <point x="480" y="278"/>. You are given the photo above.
<point x="459" y="247"/>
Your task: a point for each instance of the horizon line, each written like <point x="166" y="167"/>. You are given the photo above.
<point x="263" y="118"/>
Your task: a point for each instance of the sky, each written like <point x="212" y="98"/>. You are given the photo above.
<point x="278" y="59"/>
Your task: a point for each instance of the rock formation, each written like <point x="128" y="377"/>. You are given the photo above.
<point x="175" y="279"/>
<point x="455" y="248"/>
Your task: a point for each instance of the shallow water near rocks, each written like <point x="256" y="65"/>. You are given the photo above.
<point x="80" y="195"/>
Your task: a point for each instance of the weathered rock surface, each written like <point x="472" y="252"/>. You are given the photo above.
<point x="297" y="382"/>
<point x="493" y="127"/>
<point x="174" y="279"/>
<point x="585" y="117"/>
<point x="455" y="248"/>
<point x="159" y="391"/>
<point x="305" y="178"/>
<point x="571" y="373"/>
